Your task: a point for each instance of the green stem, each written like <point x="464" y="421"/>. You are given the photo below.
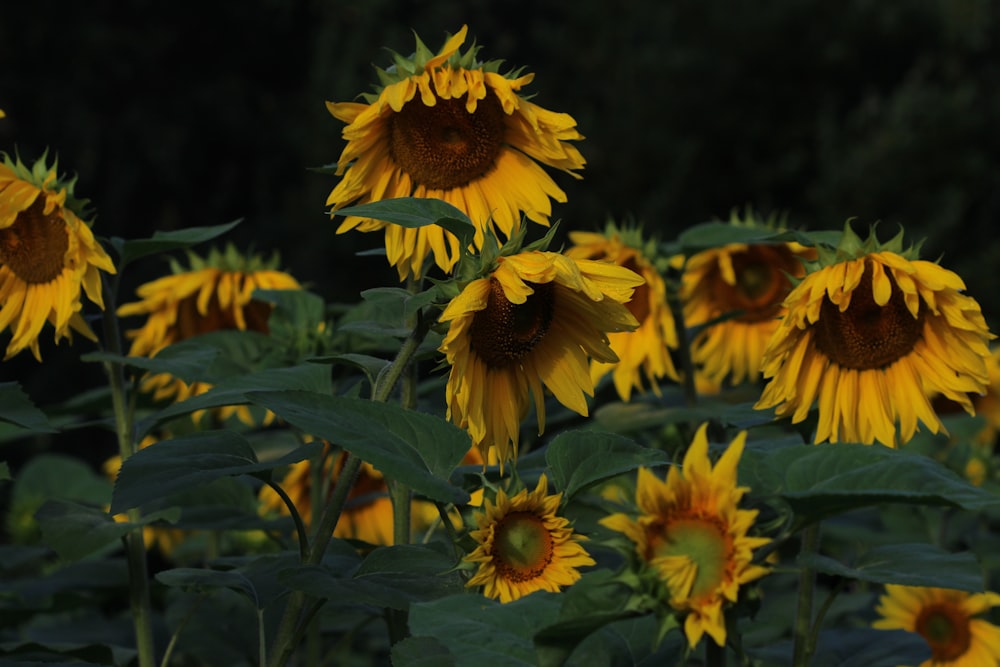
<point x="804" y="648"/>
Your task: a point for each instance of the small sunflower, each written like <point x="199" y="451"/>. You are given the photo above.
<point x="751" y="280"/>
<point x="448" y="126"/>
<point x="214" y="294"/>
<point x="945" y="618"/>
<point x="48" y="254"/>
<point x="524" y="546"/>
<point x="536" y="320"/>
<point x="870" y="335"/>
<point x="647" y="349"/>
<point x="693" y="536"/>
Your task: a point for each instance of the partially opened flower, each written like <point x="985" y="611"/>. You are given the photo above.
<point x="448" y="126"/>
<point x="214" y="294"/>
<point x="525" y="546"/>
<point x="693" y="536"/>
<point x="869" y="336"/>
<point x="645" y="352"/>
<point x="48" y="257"/>
<point x="533" y="324"/>
<point x="946" y="619"/>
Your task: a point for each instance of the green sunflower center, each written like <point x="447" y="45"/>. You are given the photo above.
<point x="704" y="543"/>
<point x="504" y="332"/>
<point x="522" y="546"/>
<point x="444" y="146"/>
<point x="946" y="629"/>
<point x="34" y="247"/>
<point x="761" y="282"/>
<point x="868" y="336"/>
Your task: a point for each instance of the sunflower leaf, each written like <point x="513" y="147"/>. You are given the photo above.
<point x="414" y="448"/>
<point x="73" y="530"/>
<point x="580" y="459"/>
<point x="413" y="212"/>
<point x="161" y="241"/>
<point x="906" y="564"/>
<point x="16" y="408"/>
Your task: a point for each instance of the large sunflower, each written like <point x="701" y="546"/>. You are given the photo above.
<point x="448" y="126"/>
<point x="749" y="282"/>
<point x="693" y="535"/>
<point x="870" y="335"/>
<point x="524" y="546"/>
<point x="214" y="294"/>
<point x="47" y="255"/>
<point x="536" y="320"/>
<point x="945" y="618"/>
<point x="647" y="349"/>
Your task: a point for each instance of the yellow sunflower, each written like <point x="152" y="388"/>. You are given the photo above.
<point x="693" y="535"/>
<point x="447" y="126"/>
<point x="47" y="255"/>
<point x="870" y="335"/>
<point x="536" y="320"/>
<point x="945" y="619"/>
<point x="751" y="280"/>
<point x="524" y="546"/>
<point x="647" y="349"/>
<point x="215" y="294"/>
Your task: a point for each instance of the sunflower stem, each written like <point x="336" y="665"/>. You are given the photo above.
<point x="804" y="647"/>
<point x="683" y="347"/>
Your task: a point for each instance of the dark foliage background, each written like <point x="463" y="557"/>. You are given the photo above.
<point x="181" y="114"/>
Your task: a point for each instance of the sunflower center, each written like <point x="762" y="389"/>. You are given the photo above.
<point x="761" y="282"/>
<point x="523" y="546"/>
<point x="444" y="146"/>
<point x="946" y="630"/>
<point x="704" y="543"/>
<point x="866" y="335"/>
<point x="190" y="322"/>
<point x="639" y="305"/>
<point x="34" y="247"/>
<point x="503" y="332"/>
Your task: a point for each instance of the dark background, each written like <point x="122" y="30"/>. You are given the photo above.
<point x="178" y="114"/>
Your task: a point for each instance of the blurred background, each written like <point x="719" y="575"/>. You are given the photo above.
<point x="176" y="115"/>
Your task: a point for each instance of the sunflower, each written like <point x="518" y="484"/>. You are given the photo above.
<point x="214" y="294"/>
<point x="524" y="546"/>
<point x="870" y="335"/>
<point x="535" y="320"/>
<point x="447" y="126"/>
<point x="693" y="536"/>
<point x="749" y="282"/>
<point x="945" y="619"/>
<point x="47" y="255"/>
<point x="647" y="349"/>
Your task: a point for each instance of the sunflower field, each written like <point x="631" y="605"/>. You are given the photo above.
<point x="513" y="438"/>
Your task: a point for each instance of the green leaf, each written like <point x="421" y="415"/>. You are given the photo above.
<point x="17" y="408"/>
<point x="4" y="472"/>
<point x="580" y="459"/>
<point x="421" y="652"/>
<point x="161" y="241"/>
<point x="187" y="360"/>
<point x="852" y="647"/>
<point x="414" y="448"/>
<point x="74" y="531"/>
<point x="256" y="577"/>
<point x="908" y="565"/>
<point x="371" y="366"/>
<point x="415" y="212"/>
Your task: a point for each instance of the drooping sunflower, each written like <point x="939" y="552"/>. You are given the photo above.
<point x="534" y="322"/>
<point x="48" y="256"/>
<point x="213" y="294"/>
<point x="645" y="351"/>
<point x="448" y="126"/>
<point x="751" y="280"/>
<point x="869" y="335"/>
<point x="693" y="536"/>
<point x="945" y="618"/>
<point x="525" y="546"/>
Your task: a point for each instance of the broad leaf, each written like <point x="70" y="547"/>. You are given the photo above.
<point x="74" y="531"/>
<point x="906" y="564"/>
<point x="161" y="241"/>
<point x="17" y="408"/>
<point x="417" y="212"/>
<point x="579" y="459"/>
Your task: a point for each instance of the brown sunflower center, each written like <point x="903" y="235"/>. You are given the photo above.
<point x="761" y="282"/>
<point x="503" y="332"/>
<point x="701" y="540"/>
<point x="946" y="630"/>
<point x="444" y="146"/>
<point x="34" y="247"/>
<point x="866" y="335"/>
<point x="192" y="323"/>
<point x="522" y="547"/>
<point x="639" y="305"/>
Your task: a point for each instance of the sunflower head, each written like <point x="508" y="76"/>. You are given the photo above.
<point x="525" y="546"/>
<point x="448" y="126"/>
<point x="690" y="536"/>
<point x="869" y="334"/>
<point x="947" y="619"/>
<point x="48" y="255"/>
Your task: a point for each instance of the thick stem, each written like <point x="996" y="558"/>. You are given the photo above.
<point x="803" y="649"/>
